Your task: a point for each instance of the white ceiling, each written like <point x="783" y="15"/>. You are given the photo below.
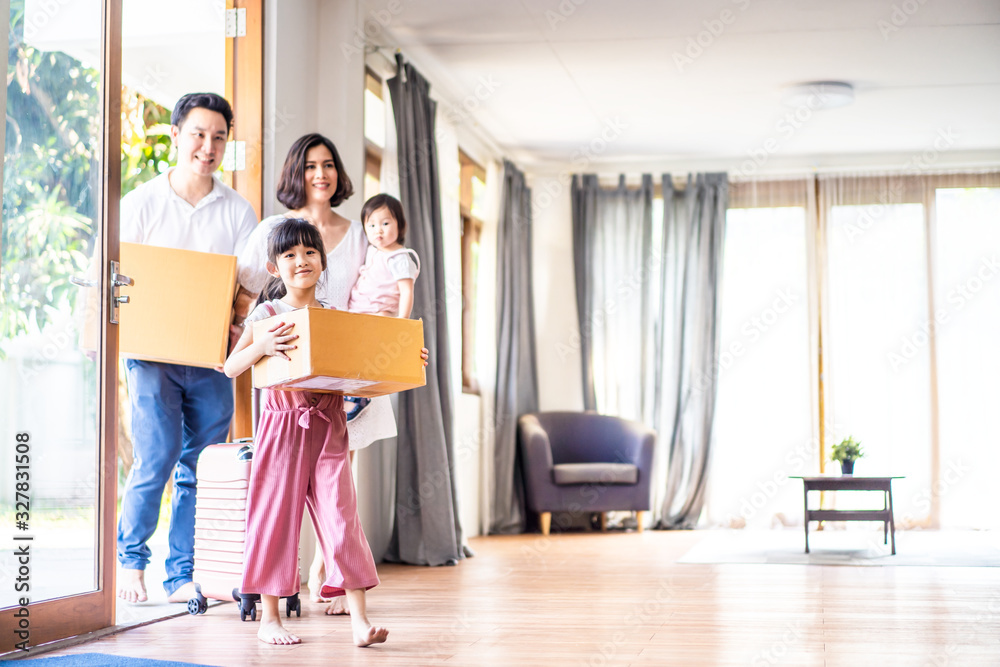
<point x="550" y="80"/>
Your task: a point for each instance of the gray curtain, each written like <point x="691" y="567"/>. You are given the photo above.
<point x="426" y="529"/>
<point x="647" y="302"/>
<point x="692" y="243"/>
<point x="584" y="211"/>
<point x="517" y="374"/>
<point x="616" y="268"/>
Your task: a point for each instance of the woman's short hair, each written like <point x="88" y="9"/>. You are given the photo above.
<point x="291" y="184"/>
<point x="395" y="208"/>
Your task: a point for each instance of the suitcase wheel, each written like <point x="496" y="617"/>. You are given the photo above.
<point x="248" y="607"/>
<point x="293" y="603"/>
<point x="198" y="604"/>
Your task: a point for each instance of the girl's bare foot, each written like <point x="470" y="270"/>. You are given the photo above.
<point x="366" y="635"/>
<point x="273" y="632"/>
<point x="132" y="585"/>
<point x="337" y="607"/>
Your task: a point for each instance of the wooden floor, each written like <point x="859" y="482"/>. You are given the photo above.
<point x="618" y="599"/>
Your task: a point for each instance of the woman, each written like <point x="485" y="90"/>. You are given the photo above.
<point x="312" y="183"/>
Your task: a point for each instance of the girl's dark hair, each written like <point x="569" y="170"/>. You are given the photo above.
<point x="291" y="184"/>
<point x="395" y="208"/>
<point x="285" y="236"/>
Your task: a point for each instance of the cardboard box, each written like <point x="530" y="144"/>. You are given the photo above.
<point x="344" y="353"/>
<point x="180" y="306"/>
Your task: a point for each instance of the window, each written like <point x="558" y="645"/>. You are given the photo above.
<point x="374" y="134"/>
<point x="471" y="196"/>
<point x="887" y="291"/>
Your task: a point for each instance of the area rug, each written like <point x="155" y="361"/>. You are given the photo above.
<point x="928" y="548"/>
<point x="102" y="660"/>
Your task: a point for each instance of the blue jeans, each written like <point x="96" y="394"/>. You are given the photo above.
<point x="177" y="411"/>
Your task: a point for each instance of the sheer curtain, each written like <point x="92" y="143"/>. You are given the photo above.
<point x="647" y="301"/>
<point x="900" y="273"/>
<point x="876" y="279"/>
<point x="692" y="242"/>
<point x="615" y="264"/>
<point x="911" y="262"/>
<point x="766" y="410"/>
<point x="965" y="245"/>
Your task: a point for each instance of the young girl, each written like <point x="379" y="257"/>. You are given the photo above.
<point x="300" y="460"/>
<point x="385" y="283"/>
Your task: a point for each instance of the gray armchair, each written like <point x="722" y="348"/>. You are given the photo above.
<point x="585" y="462"/>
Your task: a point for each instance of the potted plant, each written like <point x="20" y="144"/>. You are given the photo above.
<point x="847" y="451"/>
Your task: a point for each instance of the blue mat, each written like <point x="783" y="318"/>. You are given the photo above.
<point x="102" y="660"/>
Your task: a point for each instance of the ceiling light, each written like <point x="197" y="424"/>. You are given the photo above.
<point x="820" y="95"/>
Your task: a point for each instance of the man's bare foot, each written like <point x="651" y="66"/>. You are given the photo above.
<point x="273" y="632"/>
<point x="337" y="607"/>
<point x="316" y="579"/>
<point x="184" y="593"/>
<point x="132" y="585"/>
<point x="366" y="635"/>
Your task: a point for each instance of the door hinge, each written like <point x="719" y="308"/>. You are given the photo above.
<point x="236" y="22"/>
<point x="235" y="158"/>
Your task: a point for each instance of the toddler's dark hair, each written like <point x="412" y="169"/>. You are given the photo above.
<point x="395" y="208"/>
<point x="285" y="236"/>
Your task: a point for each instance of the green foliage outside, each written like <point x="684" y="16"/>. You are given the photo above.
<point x="51" y="187"/>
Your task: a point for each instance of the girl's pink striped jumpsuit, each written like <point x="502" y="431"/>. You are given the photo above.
<point x="301" y="459"/>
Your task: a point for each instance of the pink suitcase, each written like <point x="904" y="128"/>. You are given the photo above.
<point x="220" y="529"/>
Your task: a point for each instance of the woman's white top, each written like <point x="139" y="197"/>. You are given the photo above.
<point x="343" y="263"/>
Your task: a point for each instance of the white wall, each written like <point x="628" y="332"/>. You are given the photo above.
<point x="310" y="85"/>
<point x="560" y="384"/>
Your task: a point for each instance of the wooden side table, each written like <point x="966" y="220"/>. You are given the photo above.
<point x="850" y="483"/>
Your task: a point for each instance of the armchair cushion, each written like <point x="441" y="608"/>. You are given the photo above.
<point x="595" y="473"/>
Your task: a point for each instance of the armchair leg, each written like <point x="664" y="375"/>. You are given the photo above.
<point x="604" y="521"/>
<point x="545" y="518"/>
<point x="638" y="520"/>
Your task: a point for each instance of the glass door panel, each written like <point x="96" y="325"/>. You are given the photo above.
<point x="50" y="303"/>
<point x="169" y="48"/>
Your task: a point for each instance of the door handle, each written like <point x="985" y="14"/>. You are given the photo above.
<point x="116" y="281"/>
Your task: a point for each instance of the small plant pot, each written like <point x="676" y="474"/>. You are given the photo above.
<point x="847" y="467"/>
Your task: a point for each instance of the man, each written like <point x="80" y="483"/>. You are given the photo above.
<point x="178" y="410"/>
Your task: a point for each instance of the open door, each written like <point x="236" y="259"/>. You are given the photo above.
<point x="58" y="342"/>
